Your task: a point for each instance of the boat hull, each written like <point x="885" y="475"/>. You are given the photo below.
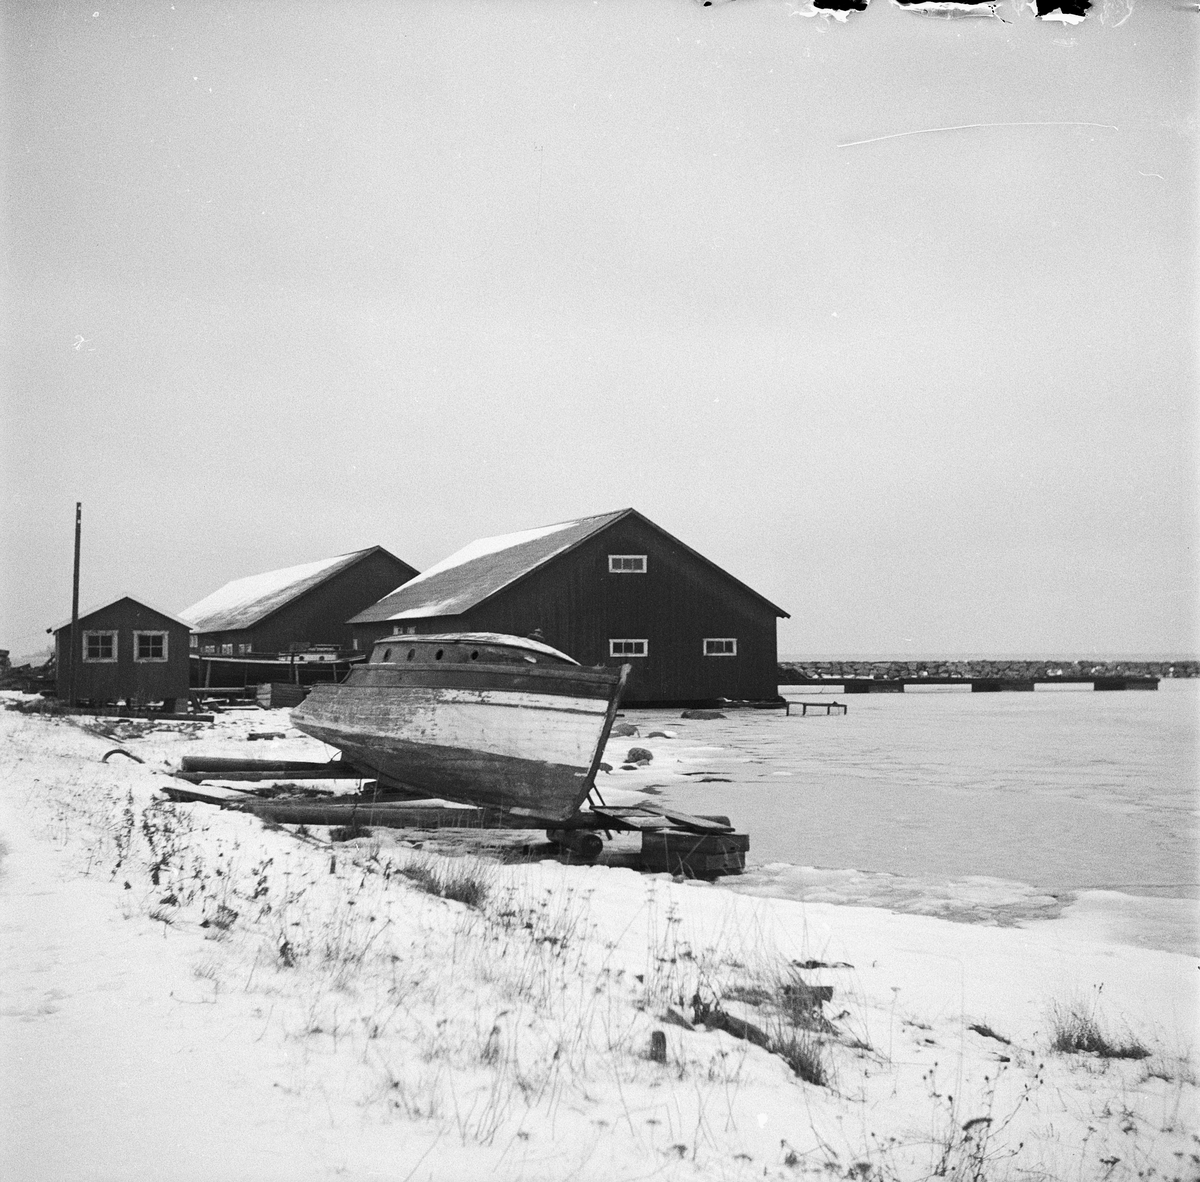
<point x="526" y="741"/>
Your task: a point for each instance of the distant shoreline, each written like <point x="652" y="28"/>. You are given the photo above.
<point x="1069" y="658"/>
<point x="1014" y="670"/>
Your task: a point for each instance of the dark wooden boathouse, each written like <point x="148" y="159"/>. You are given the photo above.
<point x="294" y="608"/>
<point x="606" y="590"/>
<point x="125" y="651"/>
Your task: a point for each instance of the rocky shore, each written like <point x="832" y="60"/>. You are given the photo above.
<point x="1041" y="670"/>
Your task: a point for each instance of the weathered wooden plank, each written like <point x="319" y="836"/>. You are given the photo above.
<point x="686" y="820"/>
<point x="310" y="769"/>
<point x="121" y="712"/>
<point x="633" y="817"/>
<point x="272" y="695"/>
<point x="210" y="794"/>
<point x="693" y="854"/>
<point x="388" y="816"/>
<point x="260" y="776"/>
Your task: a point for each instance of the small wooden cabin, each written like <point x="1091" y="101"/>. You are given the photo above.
<point x="125" y="651"/>
<point x="606" y="590"/>
<point x="298" y="607"/>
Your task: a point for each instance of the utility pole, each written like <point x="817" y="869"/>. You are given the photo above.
<point x="75" y="606"/>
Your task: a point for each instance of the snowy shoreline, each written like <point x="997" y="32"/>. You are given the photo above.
<point x="281" y="1008"/>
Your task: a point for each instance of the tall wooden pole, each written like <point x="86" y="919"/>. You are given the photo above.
<point x="75" y="604"/>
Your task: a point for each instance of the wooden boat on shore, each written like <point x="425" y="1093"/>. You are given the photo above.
<point x="476" y="718"/>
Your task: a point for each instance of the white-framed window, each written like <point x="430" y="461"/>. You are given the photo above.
<point x="628" y="648"/>
<point x="626" y="564"/>
<point x="354" y="644"/>
<point x="100" y="647"/>
<point x="720" y="646"/>
<point x="243" y="649"/>
<point x="209" y="648"/>
<point x="149" y="646"/>
<point x="227" y="650"/>
<point x="193" y="641"/>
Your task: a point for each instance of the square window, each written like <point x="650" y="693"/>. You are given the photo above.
<point x="720" y="646"/>
<point x="227" y="650"/>
<point x="193" y="641"/>
<point x="209" y="648"/>
<point x="243" y="649"/>
<point x="627" y="564"/>
<point x="149" y="646"/>
<point x="628" y="648"/>
<point x="99" y="646"/>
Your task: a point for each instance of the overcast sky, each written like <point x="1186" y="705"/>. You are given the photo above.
<point x="285" y="280"/>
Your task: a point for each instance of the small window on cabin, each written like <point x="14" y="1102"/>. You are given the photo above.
<point x="412" y="652"/>
<point x="724" y="646"/>
<point x="626" y="564"/>
<point x="438" y="655"/>
<point x="628" y="648"/>
<point x="149" y="646"/>
<point x="227" y="650"/>
<point x="99" y="646"/>
<point x="474" y="654"/>
<point x="209" y="648"/>
<point x="387" y="654"/>
<point x="396" y="629"/>
<point x="193" y="642"/>
<point x="244" y="649"/>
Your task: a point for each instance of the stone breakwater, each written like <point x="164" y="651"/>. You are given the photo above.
<point x="1045" y="670"/>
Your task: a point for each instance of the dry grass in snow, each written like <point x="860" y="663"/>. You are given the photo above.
<point x="188" y="994"/>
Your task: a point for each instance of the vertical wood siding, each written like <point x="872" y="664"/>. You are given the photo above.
<point x="126" y="678"/>
<point x="579" y="606"/>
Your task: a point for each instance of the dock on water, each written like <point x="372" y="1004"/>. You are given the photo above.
<point x="979" y="676"/>
<point x="978" y="685"/>
<point x="826" y="708"/>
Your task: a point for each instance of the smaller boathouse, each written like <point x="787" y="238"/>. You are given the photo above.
<point x="124" y="651"/>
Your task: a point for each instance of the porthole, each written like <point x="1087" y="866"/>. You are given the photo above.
<point x="474" y="654"/>
<point x="387" y="654"/>
<point x="438" y="655"/>
<point x="412" y="652"/>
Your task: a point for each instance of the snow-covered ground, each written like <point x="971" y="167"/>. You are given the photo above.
<point x="186" y="993"/>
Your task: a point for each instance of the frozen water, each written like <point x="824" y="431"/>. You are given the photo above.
<point x="976" y="806"/>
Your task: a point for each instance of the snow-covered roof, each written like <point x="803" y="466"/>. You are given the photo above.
<point x="99" y="607"/>
<point x="245" y="602"/>
<point x="480" y="569"/>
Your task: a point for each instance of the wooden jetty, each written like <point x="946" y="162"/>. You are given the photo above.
<point x="978" y="685"/>
<point x="981" y="675"/>
<point x="826" y="708"/>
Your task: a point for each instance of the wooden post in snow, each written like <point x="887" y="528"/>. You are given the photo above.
<point x="75" y="606"/>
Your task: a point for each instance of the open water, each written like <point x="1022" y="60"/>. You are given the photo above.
<point x="995" y="807"/>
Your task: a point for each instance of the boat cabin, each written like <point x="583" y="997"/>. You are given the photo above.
<point x="489" y="648"/>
